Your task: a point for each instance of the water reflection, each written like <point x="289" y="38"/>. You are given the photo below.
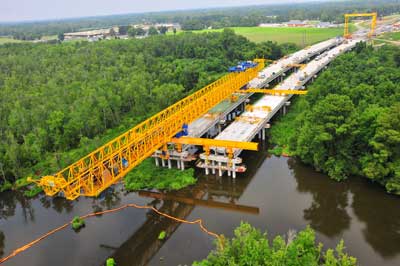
<point x="9" y="201"/>
<point x="381" y="215"/>
<point x="327" y="213"/>
<point x="2" y="240"/>
<point x="210" y="191"/>
<point x="108" y="199"/>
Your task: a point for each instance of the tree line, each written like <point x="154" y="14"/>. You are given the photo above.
<point x="201" y="19"/>
<point x="57" y="97"/>
<point x="349" y="122"/>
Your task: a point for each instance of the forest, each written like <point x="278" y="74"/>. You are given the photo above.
<point x="60" y="101"/>
<point x="203" y="18"/>
<point x="349" y="122"/>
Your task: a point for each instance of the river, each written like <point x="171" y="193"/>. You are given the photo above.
<point x="276" y="194"/>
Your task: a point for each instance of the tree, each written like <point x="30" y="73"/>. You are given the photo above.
<point x="140" y="31"/>
<point x="250" y="247"/>
<point x="132" y="32"/>
<point x="163" y="30"/>
<point x="123" y="30"/>
<point x="153" y="31"/>
<point x="61" y="37"/>
<point x="112" y="32"/>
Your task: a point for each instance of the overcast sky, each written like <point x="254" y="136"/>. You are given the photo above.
<point x="20" y="10"/>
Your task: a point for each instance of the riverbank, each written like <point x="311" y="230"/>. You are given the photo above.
<point x="287" y="194"/>
<point x="349" y="122"/>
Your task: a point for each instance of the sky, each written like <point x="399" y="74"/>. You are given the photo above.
<point x="27" y="10"/>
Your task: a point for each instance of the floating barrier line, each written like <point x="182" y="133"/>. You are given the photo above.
<point x="131" y="205"/>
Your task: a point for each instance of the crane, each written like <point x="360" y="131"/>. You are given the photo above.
<point x="348" y="16"/>
<point x="100" y="169"/>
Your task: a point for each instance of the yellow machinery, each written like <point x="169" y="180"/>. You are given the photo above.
<point x="276" y="92"/>
<point x="301" y="66"/>
<point x="207" y="143"/>
<point x="348" y="16"/>
<point x="252" y="108"/>
<point x="105" y="166"/>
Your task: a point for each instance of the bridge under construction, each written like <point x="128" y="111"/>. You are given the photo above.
<point x="219" y="119"/>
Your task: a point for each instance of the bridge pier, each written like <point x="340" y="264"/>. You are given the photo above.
<point x="163" y="162"/>
<point x="157" y="162"/>
<point x="169" y="164"/>
<point x="213" y="167"/>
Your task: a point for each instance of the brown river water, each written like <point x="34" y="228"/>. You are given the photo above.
<point x="276" y="194"/>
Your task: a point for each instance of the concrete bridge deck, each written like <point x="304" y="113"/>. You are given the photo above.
<point x="254" y="122"/>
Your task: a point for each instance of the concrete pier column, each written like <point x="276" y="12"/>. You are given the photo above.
<point x="219" y="169"/>
<point x="178" y="164"/>
<point x="219" y="128"/>
<point x="182" y="165"/>
<point x="263" y="133"/>
<point x="163" y="162"/>
<point x="259" y="134"/>
<point x="157" y="162"/>
<point x="284" y="110"/>
<point x="229" y="173"/>
<point x="234" y="170"/>
<point x="206" y="169"/>
<point x="169" y="164"/>
<point x="213" y="169"/>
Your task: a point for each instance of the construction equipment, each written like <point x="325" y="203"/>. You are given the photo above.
<point x="276" y="92"/>
<point x="242" y="66"/>
<point x="301" y="66"/>
<point x="252" y="146"/>
<point x="102" y="168"/>
<point x="373" y="23"/>
<point x="252" y="108"/>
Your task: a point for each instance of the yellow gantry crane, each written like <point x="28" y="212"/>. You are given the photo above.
<point x="105" y="166"/>
<point x="276" y="92"/>
<point x="373" y="22"/>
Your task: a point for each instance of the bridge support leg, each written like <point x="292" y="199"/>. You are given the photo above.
<point x="284" y="110"/>
<point x="229" y="173"/>
<point x="259" y="135"/>
<point x="263" y="133"/>
<point x="157" y="162"/>
<point x="178" y="164"/>
<point x="206" y="169"/>
<point x="169" y="164"/>
<point x="219" y="168"/>
<point x="213" y="167"/>
<point x="219" y="128"/>
<point x="182" y="165"/>
<point x="234" y="170"/>
<point x="163" y="162"/>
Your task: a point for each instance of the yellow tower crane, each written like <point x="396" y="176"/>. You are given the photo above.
<point x="373" y="23"/>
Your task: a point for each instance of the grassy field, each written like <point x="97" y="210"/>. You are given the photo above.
<point x="391" y="36"/>
<point x="4" y="40"/>
<point x="299" y="36"/>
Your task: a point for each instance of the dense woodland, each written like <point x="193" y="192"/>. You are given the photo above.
<point x="200" y="19"/>
<point x="57" y="97"/>
<point x="349" y="123"/>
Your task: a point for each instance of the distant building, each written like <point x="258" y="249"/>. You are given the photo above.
<point x="91" y="35"/>
<point x="270" y="25"/>
<point x="326" y="25"/>
<point x="296" y="23"/>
